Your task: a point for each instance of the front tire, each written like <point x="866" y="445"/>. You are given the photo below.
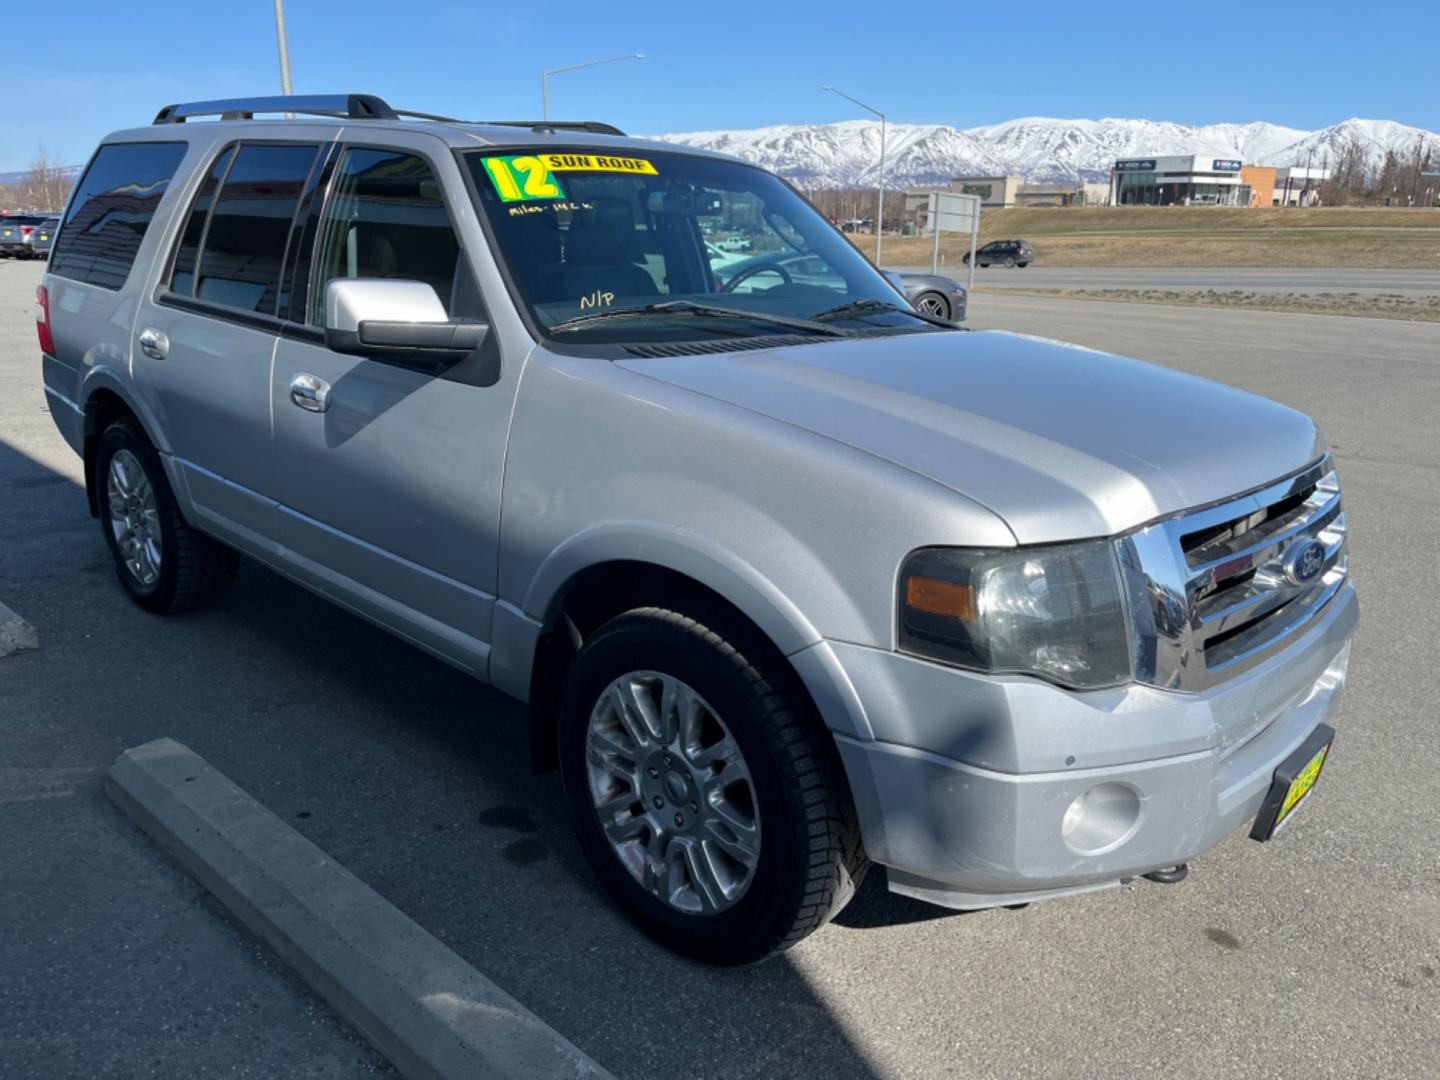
<point x="1010" y="262"/>
<point x="165" y="565"/>
<point x="933" y="303"/>
<point x="706" y="793"/>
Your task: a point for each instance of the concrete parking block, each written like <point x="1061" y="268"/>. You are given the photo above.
<point x="418" y="1003"/>
<point x="15" y="633"/>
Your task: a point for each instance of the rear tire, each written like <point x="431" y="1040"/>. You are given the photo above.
<point x="165" y="565"/>
<point x="797" y="858"/>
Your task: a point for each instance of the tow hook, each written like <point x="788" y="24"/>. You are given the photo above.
<point x="1170" y="875"/>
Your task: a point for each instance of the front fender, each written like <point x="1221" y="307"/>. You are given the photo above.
<point x="685" y="553"/>
<point x="519" y="627"/>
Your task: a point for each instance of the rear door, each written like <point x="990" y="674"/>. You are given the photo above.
<point x="206" y="339"/>
<point x="97" y="271"/>
<point x="391" y="496"/>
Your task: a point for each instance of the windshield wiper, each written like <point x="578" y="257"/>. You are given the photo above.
<point x="704" y="311"/>
<point x="859" y="308"/>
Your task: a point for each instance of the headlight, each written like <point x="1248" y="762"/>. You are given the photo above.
<point x="1056" y="612"/>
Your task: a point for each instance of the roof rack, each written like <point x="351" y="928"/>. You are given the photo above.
<point x="595" y="127"/>
<point x="348" y="107"/>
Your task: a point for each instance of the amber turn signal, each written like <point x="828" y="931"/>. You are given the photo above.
<point x="936" y="597"/>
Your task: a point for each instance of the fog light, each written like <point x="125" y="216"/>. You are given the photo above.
<point x="1102" y="818"/>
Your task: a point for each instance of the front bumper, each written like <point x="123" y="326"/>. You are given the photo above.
<point x="965" y="784"/>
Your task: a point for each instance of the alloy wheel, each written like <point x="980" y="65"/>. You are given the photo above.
<point x="933" y="305"/>
<point x="134" y="517"/>
<point x="673" y="792"/>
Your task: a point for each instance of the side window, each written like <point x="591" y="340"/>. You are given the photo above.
<point x="187" y="254"/>
<point x="240" y="264"/>
<point x="111" y="209"/>
<point x="385" y="218"/>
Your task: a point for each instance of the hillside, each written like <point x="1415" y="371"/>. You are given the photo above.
<point x="1039" y="148"/>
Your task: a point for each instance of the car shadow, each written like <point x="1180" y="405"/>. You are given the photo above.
<point x="434" y="803"/>
<point x="409" y="773"/>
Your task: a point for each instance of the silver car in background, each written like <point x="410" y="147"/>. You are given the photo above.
<point x="43" y="238"/>
<point x="795" y="579"/>
<point x="935" y="294"/>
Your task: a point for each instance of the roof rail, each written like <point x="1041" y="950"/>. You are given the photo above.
<point x="595" y="127"/>
<point x="347" y="106"/>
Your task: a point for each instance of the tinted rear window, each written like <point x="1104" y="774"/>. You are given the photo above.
<point x="111" y="210"/>
<point x="244" y="243"/>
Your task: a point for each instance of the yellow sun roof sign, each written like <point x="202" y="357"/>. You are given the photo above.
<point x="520" y="177"/>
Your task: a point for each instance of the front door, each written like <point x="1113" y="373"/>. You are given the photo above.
<point x="390" y="496"/>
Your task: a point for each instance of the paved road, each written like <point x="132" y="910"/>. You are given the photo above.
<point x="1247" y="279"/>
<point x="1318" y="955"/>
<point x="113" y="962"/>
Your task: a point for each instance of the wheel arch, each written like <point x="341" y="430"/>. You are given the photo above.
<point x="590" y="580"/>
<point x="105" y="400"/>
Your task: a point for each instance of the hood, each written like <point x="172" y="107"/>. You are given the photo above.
<point x="1062" y="442"/>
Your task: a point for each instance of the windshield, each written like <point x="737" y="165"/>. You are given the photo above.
<point x="669" y="238"/>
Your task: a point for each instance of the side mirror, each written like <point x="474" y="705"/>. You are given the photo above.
<point x="395" y="320"/>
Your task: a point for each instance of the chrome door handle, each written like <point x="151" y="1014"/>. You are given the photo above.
<point x="310" y="392"/>
<point x="154" y="343"/>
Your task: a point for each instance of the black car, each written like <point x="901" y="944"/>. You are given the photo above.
<point x="1009" y="253"/>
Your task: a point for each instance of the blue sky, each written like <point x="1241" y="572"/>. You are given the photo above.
<point x="734" y="63"/>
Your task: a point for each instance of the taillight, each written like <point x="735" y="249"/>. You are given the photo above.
<point x="42" y="320"/>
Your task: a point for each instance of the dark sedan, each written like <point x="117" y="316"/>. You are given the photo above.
<point x="1009" y="253"/>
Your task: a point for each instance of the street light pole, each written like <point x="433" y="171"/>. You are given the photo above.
<point x="545" y="76"/>
<point x="284" y="44"/>
<point x="880" y="190"/>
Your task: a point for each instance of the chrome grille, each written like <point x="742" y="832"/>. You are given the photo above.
<point x="1209" y="591"/>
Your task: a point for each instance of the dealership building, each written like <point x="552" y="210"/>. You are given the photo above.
<point x="1180" y="180"/>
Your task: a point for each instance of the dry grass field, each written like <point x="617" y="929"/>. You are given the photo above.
<point x="1198" y="236"/>
<point x="1369" y="306"/>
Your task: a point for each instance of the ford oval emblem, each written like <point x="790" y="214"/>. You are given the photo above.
<point x="1304" y="561"/>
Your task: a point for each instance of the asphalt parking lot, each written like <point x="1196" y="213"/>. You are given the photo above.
<point x="1316" y="955"/>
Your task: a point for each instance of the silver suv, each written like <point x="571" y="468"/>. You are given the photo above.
<point x="794" y="578"/>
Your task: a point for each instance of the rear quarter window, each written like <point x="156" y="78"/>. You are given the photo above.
<point x="111" y="210"/>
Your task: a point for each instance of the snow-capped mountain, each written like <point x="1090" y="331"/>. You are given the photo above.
<point x="847" y="154"/>
<point x="1043" y="150"/>
<point x="1037" y="148"/>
